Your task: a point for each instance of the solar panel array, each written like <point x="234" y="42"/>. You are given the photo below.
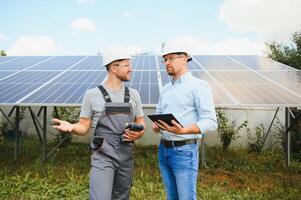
<point x="236" y="81"/>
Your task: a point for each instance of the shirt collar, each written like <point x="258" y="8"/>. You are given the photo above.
<point x="110" y="90"/>
<point x="182" y="78"/>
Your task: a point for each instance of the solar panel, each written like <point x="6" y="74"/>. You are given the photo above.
<point x="21" y="63"/>
<point x="220" y="63"/>
<point x="30" y="77"/>
<point x="261" y="63"/>
<point x="4" y="74"/>
<point x="91" y="63"/>
<point x="7" y="59"/>
<point x="62" y="80"/>
<point x="145" y="79"/>
<point x="144" y="62"/>
<point x="58" y="63"/>
<point x="11" y="93"/>
<point x="67" y="88"/>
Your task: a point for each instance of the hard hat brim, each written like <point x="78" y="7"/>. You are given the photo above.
<point x="178" y="52"/>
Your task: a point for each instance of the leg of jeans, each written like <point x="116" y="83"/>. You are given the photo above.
<point x="167" y="174"/>
<point x="185" y="170"/>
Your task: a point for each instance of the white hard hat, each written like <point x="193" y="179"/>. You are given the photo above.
<point x="169" y="49"/>
<point x="113" y="54"/>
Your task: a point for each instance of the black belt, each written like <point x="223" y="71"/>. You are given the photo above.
<point x="169" y="144"/>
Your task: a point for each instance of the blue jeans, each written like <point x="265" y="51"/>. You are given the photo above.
<point x="179" y="170"/>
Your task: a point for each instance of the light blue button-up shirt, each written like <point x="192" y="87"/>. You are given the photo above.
<point x="190" y="100"/>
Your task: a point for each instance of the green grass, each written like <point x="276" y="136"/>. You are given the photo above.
<point x="235" y="174"/>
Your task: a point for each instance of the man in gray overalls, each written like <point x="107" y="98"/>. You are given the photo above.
<point x="108" y="107"/>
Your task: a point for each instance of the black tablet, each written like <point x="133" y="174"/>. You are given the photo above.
<point x="164" y="117"/>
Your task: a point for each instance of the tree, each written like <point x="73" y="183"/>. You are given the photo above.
<point x="289" y="54"/>
<point x="2" y="53"/>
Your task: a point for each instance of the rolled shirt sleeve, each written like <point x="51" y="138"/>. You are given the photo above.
<point x="205" y="108"/>
<point x="86" y="107"/>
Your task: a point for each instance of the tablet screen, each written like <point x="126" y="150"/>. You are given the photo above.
<point x="164" y="117"/>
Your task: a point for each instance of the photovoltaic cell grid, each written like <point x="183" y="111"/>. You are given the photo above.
<point x="14" y="88"/>
<point x="145" y="79"/>
<point x="69" y="88"/>
<point x="91" y="63"/>
<point x="251" y="80"/>
<point x="6" y="73"/>
<point x="20" y="63"/>
<point x="62" y="80"/>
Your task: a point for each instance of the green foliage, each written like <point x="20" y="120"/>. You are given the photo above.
<point x="2" y="53"/>
<point x="22" y="112"/>
<point x="289" y="54"/>
<point x="235" y="174"/>
<point x="256" y="143"/>
<point x="3" y="128"/>
<point x="281" y="138"/>
<point x="228" y="132"/>
<point x="242" y="160"/>
<point x="279" y="133"/>
<point x="69" y="114"/>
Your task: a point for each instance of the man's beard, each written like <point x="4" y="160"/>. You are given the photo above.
<point x="124" y="78"/>
<point x="170" y="73"/>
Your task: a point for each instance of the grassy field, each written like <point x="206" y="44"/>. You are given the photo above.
<point x="236" y="174"/>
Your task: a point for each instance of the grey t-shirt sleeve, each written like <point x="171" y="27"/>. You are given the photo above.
<point x="86" y="108"/>
<point x="138" y="111"/>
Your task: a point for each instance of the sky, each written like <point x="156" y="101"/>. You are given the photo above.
<point x="87" y="27"/>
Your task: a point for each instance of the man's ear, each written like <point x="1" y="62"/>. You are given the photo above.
<point x="113" y="68"/>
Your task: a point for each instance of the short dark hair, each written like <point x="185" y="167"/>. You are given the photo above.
<point x="180" y="53"/>
<point x="189" y="58"/>
<point x="108" y="65"/>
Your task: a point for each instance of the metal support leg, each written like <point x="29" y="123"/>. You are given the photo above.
<point x="40" y="110"/>
<point x="11" y="111"/>
<point x="17" y="130"/>
<point x="288" y="126"/>
<point x="266" y="135"/>
<point x="287" y="149"/>
<point x="7" y="118"/>
<point x="35" y="121"/>
<point x="44" y="133"/>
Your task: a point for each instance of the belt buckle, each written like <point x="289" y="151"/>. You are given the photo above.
<point x="167" y="144"/>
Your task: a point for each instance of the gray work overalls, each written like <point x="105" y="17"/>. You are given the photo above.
<point x="112" y="160"/>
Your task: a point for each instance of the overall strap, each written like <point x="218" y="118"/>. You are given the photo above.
<point x="105" y="94"/>
<point x="126" y="95"/>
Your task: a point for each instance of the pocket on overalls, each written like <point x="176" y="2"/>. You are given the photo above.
<point x="101" y="145"/>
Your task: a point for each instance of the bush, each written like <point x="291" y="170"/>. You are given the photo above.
<point x="69" y="114"/>
<point x="7" y="128"/>
<point x="279" y="133"/>
<point x="256" y="143"/>
<point x="228" y="132"/>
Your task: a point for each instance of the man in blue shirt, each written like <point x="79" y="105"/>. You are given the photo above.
<point x="190" y="100"/>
